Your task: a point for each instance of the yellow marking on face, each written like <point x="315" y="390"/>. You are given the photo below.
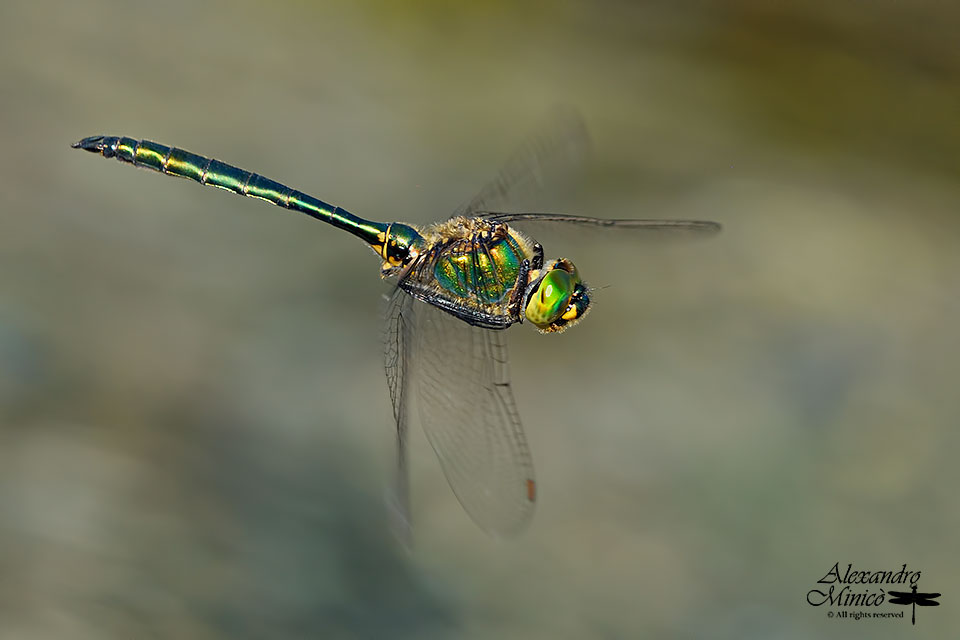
<point x="570" y="314"/>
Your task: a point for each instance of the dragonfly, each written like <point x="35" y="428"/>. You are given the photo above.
<point x="913" y="599"/>
<point x="459" y="284"/>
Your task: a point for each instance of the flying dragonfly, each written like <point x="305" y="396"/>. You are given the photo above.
<point x="459" y="283"/>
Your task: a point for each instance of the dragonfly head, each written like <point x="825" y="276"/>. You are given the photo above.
<point x="557" y="299"/>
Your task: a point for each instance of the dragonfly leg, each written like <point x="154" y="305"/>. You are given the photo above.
<point x="537" y="256"/>
<point x="516" y="298"/>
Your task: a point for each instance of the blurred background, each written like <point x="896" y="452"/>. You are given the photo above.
<point x="195" y="431"/>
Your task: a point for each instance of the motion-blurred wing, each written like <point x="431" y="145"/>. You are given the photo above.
<point x="471" y="420"/>
<point x="549" y="157"/>
<point x="398" y="356"/>
<point x="552" y="154"/>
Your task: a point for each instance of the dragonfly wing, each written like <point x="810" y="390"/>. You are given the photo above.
<point x="550" y="155"/>
<point x="471" y="420"/>
<point x="398" y="350"/>
<point x="697" y="227"/>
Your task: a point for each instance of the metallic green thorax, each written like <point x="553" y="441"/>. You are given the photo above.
<point x="392" y="247"/>
<point x="489" y="274"/>
<point x="474" y="269"/>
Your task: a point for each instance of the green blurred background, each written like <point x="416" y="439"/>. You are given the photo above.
<point x="195" y="437"/>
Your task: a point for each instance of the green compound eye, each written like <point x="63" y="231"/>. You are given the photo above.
<point x="551" y="298"/>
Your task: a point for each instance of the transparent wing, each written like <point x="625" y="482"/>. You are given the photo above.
<point x="698" y="227"/>
<point x="552" y="154"/>
<point x="398" y="357"/>
<point x="471" y="420"/>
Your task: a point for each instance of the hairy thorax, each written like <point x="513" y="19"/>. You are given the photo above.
<point x="473" y="268"/>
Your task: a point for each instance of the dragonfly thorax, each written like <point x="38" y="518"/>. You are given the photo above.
<point x="487" y="274"/>
<point x="475" y="269"/>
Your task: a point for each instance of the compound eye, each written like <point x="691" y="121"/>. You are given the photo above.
<point x="551" y="298"/>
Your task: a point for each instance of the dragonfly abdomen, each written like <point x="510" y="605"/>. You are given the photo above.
<point x="178" y="162"/>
